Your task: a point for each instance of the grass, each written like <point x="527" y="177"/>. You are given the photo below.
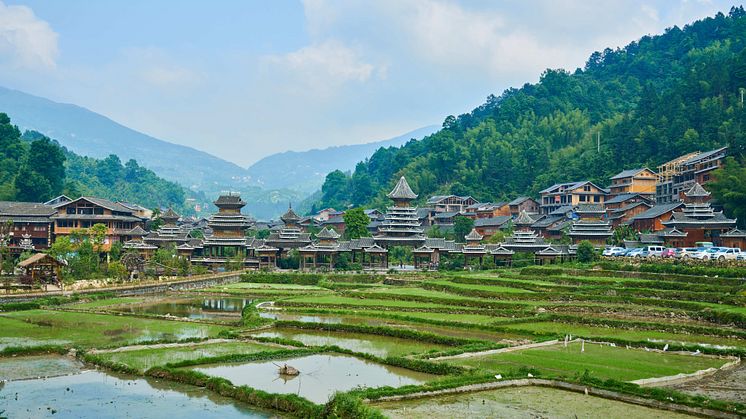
<point x="367" y="302"/>
<point x="143" y="359"/>
<point x="632" y="335"/>
<point x="97" y="330"/>
<point x="490" y="288"/>
<point x="107" y="302"/>
<point x="601" y="361"/>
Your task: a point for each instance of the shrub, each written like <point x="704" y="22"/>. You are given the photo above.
<point x="586" y="252"/>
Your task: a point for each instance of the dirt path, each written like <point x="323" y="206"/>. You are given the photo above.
<point x="724" y="385"/>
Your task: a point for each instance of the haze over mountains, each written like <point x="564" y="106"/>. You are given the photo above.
<point x="267" y="186"/>
<point x="305" y="170"/>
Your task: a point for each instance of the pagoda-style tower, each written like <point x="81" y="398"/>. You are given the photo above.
<point x="473" y="247"/>
<point x="290" y="236"/>
<point x="401" y="225"/>
<point x="523" y="221"/>
<point x="591" y="226"/>
<point x="169" y="232"/>
<point x="697" y="221"/>
<point x="228" y="228"/>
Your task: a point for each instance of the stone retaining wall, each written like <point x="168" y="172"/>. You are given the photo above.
<point x="204" y="281"/>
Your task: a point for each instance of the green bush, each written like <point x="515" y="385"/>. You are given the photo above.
<point x="586" y="252"/>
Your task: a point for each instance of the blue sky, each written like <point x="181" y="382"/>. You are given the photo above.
<point x="244" y="79"/>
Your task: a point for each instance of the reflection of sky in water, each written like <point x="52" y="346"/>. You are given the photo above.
<point x="320" y="375"/>
<point x="203" y="308"/>
<point x="301" y="318"/>
<point x="185" y="333"/>
<point x="93" y="394"/>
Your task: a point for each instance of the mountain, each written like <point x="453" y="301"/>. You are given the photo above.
<point x="90" y="134"/>
<point x="305" y="170"/>
<point x="34" y="168"/>
<point x="641" y="105"/>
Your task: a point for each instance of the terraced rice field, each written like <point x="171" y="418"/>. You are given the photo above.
<point x="362" y="337"/>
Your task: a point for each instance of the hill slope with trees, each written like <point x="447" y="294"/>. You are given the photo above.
<point x="34" y="168"/>
<point x="641" y="105"/>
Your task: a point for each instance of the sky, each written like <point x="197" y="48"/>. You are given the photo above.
<point x="243" y="79"/>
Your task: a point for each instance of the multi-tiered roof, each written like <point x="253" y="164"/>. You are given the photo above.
<point x="401" y="225"/>
<point x="290" y="236"/>
<point x="228" y="225"/>
<point x="591" y="225"/>
<point x="698" y="213"/>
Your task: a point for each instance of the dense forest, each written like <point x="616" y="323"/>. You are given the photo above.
<point x="640" y="105"/>
<point x="34" y="168"/>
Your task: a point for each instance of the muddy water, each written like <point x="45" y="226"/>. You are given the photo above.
<point x="93" y="394"/>
<point x="521" y="402"/>
<point x="320" y="375"/>
<point x="372" y="344"/>
<point x="191" y="308"/>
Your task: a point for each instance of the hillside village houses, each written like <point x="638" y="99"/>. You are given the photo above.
<point x="670" y="207"/>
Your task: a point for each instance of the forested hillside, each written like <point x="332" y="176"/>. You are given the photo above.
<point x="640" y="105"/>
<point x="34" y="168"/>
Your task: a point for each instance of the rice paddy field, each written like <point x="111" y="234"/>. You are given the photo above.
<point x="539" y="341"/>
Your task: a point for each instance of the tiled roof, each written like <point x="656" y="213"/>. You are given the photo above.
<point x="519" y="200"/>
<point x="697" y="191"/>
<point x="562" y="210"/>
<point x="492" y="221"/>
<point x="402" y="190"/>
<point x="229" y="199"/>
<point x="621" y="198"/>
<point x="657" y="211"/>
<point x="327" y="233"/>
<point x="629" y="173"/>
<point x="26" y="209"/>
<point x="704" y="155"/>
<point x="473" y="235"/>
<point x="105" y="203"/>
<point x="585" y="208"/>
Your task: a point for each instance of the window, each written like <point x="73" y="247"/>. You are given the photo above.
<point x="70" y="210"/>
<point x="596" y="198"/>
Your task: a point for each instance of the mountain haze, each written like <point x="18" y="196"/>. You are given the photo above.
<point x="305" y="170"/>
<point x="90" y="134"/>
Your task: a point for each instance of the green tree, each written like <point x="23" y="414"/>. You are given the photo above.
<point x="47" y="159"/>
<point x="729" y="188"/>
<point x="31" y="186"/>
<point x="400" y="254"/>
<point x="461" y="227"/>
<point x="356" y="223"/>
<point x="586" y="252"/>
<point x="622" y="233"/>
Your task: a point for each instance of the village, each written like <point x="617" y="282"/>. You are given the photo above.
<point x="667" y="208"/>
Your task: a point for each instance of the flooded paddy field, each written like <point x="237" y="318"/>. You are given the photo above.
<point x="724" y="385"/>
<point x="381" y="346"/>
<point x="395" y="321"/>
<point x="520" y="402"/>
<point x="156" y="355"/>
<point x="95" y="330"/>
<point x="202" y="308"/>
<point x="320" y="375"/>
<point x="95" y="394"/>
<point x="24" y="368"/>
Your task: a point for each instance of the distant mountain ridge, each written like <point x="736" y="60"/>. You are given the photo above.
<point x="90" y="134"/>
<point x="305" y="171"/>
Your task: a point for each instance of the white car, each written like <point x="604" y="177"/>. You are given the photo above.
<point x="707" y="253"/>
<point x="612" y="251"/>
<point x="727" y="253"/>
<point x="686" y="252"/>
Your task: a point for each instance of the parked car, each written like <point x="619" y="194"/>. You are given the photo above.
<point x="707" y="253"/>
<point x="621" y="251"/>
<point x="725" y="253"/>
<point x="741" y="256"/>
<point x="609" y="251"/>
<point x="634" y="253"/>
<point x="652" y="251"/>
<point x="669" y="252"/>
<point x="686" y="252"/>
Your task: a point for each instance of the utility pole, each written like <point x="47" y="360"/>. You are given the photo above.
<point x="742" y="90"/>
<point x="598" y="141"/>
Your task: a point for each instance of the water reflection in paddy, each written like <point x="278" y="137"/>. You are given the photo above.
<point x="381" y="346"/>
<point x="191" y="308"/>
<point x="320" y="375"/>
<point x="93" y="394"/>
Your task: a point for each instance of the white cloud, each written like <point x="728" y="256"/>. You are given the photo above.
<point x="329" y="61"/>
<point x="25" y="40"/>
